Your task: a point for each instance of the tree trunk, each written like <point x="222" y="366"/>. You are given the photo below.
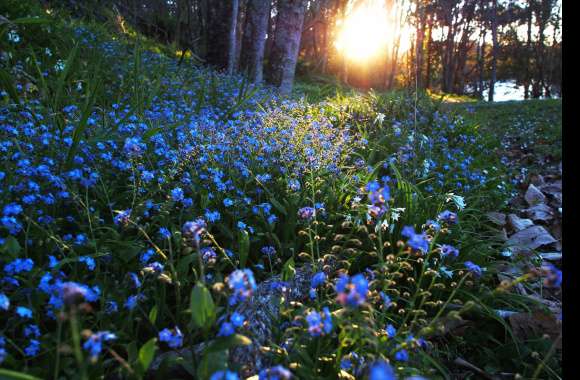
<point x="284" y="55"/>
<point x="233" y="37"/>
<point x="429" y="47"/>
<point x="528" y="52"/>
<point x="494" y="50"/>
<point x="254" y="39"/>
<point x="419" y="47"/>
<point x="219" y="20"/>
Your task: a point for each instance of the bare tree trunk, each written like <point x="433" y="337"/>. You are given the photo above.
<point x="429" y="46"/>
<point x="219" y="15"/>
<point x="419" y="47"/>
<point x="284" y="55"/>
<point x="528" y="52"/>
<point x="233" y="37"/>
<point x="494" y="50"/>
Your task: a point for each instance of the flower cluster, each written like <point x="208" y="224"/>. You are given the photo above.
<point x="352" y="291"/>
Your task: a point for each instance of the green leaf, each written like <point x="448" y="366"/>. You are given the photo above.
<point x="278" y="206"/>
<point x="211" y="363"/>
<point x="6" y="374"/>
<point x="202" y="307"/>
<point x="146" y="353"/>
<point x="61" y="82"/>
<point x="228" y="342"/>
<point x="11" y="246"/>
<point x="244" y="247"/>
<point x="153" y="314"/>
<point x="289" y="270"/>
<point x="7" y="84"/>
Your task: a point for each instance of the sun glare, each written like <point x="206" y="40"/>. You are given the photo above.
<point x="367" y="31"/>
<point x="363" y="34"/>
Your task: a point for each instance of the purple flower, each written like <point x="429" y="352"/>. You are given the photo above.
<point x="306" y="213"/>
<point x="193" y="230"/>
<point x="268" y="250"/>
<point x="449" y="251"/>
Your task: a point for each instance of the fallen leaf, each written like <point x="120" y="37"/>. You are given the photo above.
<point x="534" y="196"/>
<point x="517" y="223"/>
<point x="530" y="238"/>
<point x="540" y="212"/>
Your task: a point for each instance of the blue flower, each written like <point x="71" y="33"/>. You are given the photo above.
<point x="242" y="283"/>
<point x="24" y="312"/>
<point x="177" y="194"/>
<point x="226" y="329"/>
<point x="164" y="233"/>
<point x="4" y="302"/>
<point x="402" y="355"/>
<point x="12" y="209"/>
<point x="33" y="348"/>
<point x="133" y="147"/>
<point x="448" y="217"/>
<point x="94" y="343"/>
<point x="319" y="325"/>
<point x="275" y="373"/>
<point x="268" y="250"/>
<point x="237" y="319"/>
<point x="123" y="217"/>
<point x="212" y="216"/>
<point x="473" y="268"/>
<point x="294" y="184"/>
<point x="391" y="331"/>
<point x="352" y="291"/>
<point x="194" y="230"/>
<point x="111" y="307"/>
<point x="89" y="262"/>
<point x="386" y="299"/>
<point x="18" y="265"/>
<point x="131" y="302"/>
<point x="174" y="339"/>
<point x="417" y="242"/>
<point x="224" y="375"/>
<point x="381" y="370"/>
<point x="317" y="280"/>
<point x="32" y="330"/>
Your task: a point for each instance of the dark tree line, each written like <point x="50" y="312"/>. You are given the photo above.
<point x="455" y="45"/>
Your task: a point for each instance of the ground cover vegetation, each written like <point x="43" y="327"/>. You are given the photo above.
<point x="146" y="200"/>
